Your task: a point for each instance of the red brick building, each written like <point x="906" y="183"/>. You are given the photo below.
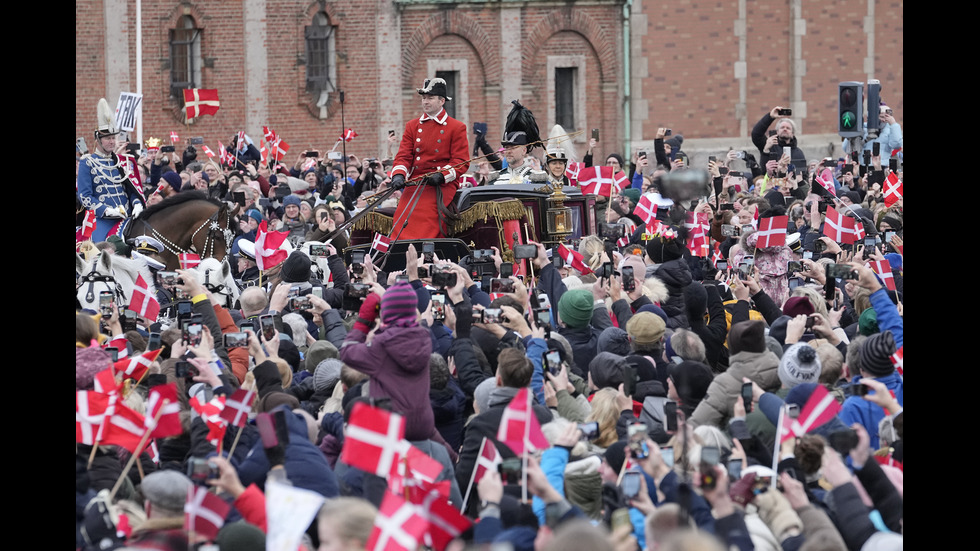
<point x="708" y="69"/>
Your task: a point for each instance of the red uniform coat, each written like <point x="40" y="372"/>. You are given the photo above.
<point x="429" y="144"/>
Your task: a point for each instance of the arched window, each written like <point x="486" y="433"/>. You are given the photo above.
<point x="185" y="56"/>
<point x="321" y="70"/>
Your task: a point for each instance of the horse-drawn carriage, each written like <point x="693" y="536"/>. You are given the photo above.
<point x="498" y="216"/>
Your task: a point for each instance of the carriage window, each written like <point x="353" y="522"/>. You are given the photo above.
<point x="185" y="56"/>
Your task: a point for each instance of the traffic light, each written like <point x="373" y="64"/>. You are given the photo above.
<point x="850" y="109"/>
<point x="874" y="108"/>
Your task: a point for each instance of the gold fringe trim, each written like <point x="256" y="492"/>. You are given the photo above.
<point x="376" y="222"/>
<point x="511" y="209"/>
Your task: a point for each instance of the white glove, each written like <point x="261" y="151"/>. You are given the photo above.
<point x="113" y="212"/>
<point x="137" y="209"/>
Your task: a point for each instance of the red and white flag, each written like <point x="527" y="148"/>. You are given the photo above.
<point x="381" y="242"/>
<point x="519" y="426"/>
<point x="716" y="256"/>
<point x="772" y="231"/>
<point x="105" y="382"/>
<point x="90" y="408"/>
<point x="238" y="406"/>
<point x="893" y="189"/>
<point x="137" y="366"/>
<point x="264" y="152"/>
<point x="189" y="260"/>
<point x="646" y="208"/>
<point x="267" y="252"/>
<point x="697" y="239"/>
<point x="573" y="259"/>
<point x="826" y="180"/>
<point x="198" y="101"/>
<point x="445" y="522"/>
<point x="204" y="512"/>
<point x="279" y="149"/>
<point x="412" y="468"/>
<point x="630" y="228"/>
<point x="398" y="526"/>
<point x="268" y="134"/>
<point x="124" y="427"/>
<point x="88" y="225"/>
<point x="173" y="137"/>
<point x="207" y="151"/>
<point x="223" y="153"/>
<point x="488" y="460"/>
<point x="348" y="135"/>
<point x="838" y="227"/>
<point x="143" y="301"/>
<point x="241" y="143"/>
<point x="820" y="408"/>
<point x="572" y="171"/>
<point x="897" y="360"/>
<point x="467" y="180"/>
<point x="597" y="180"/>
<point x="211" y="413"/>
<point x="621" y="181"/>
<point x="373" y="439"/>
<point x="163" y="398"/>
<point x="884" y="270"/>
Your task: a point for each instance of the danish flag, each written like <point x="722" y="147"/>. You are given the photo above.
<point x="625" y="240"/>
<point x="211" y="413"/>
<point x="826" y="181"/>
<point x="348" y="135"/>
<point x="893" y="189"/>
<point x="884" y="270"/>
<point x="123" y="427"/>
<point x="264" y="152"/>
<point x="204" y="512"/>
<point x="488" y="460"/>
<point x="572" y="171"/>
<point x="163" y="398"/>
<point x="412" y="468"/>
<point x="267" y="251"/>
<point x="697" y="241"/>
<point x="381" y="243"/>
<point x="597" y="180"/>
<point x="198" y="101"/>
<point x="90" y="408"/>
<point x="242" y="144"/>
<point x="279" y="149"/>
<point x="897" y="360"/>
<point x="137" y="366"/>
<point x="188" y="260"/>
<point x="646" y="209"/>
<point x="820" y="408"/>
<point x="838" y="227"/>
<point x="88" y="225"/>
<point x="621" y="180"/>
<point x="445" y="522"/>
<point x="716" y="256"/>
<point x="223" y="156"/>
<point x="238" y="406"/>
<point x="398" y="526"/>
<point x="573" y="258"/>
<point x="519" y="427"/>
<point x="373" y="439"/>
<point x="207" y="151"/>
<point x="143" y="302"/>
<point x="268" y="134"/>
<point x="772" y="231"/>
<point x="173" y="137"/>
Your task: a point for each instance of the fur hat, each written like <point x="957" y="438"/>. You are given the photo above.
<point x="521" y="128"/>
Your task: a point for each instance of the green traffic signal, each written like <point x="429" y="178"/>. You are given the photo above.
<point x="847" y="120"/>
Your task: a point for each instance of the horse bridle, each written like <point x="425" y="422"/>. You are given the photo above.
<point x="214" y="230"/>
<point x="94" y="277"/>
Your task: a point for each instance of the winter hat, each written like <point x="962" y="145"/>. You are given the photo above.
<point x="167" y="490"/>
<point x="296" y="268"/>
<point x="608" y="370"/>
<point x="774" y="346"/>
<point x="876" y="354"/>
<point x="616" y="455"/>
<point x="778" y="329"/>
<point x="799" y="365"/>
<point x="327" y="374"/>
<point x="646" y="328"/>
<point x="275" y="399"/>
<point x="254" y="214"/>
<point x="618" y="157"/>
<point x="691" y="381"/>
<point x="173" y="179"/>
<point x="633" y="194"/>
<point x="747" y="336"/>
<point x="267" y="378"/>
<point x="654" y="309"/>
<point x="854" y="196"/>
<point x="575" y="308"/>
<point x="241" y="536"/>
<point x="795" y="306"/>
<point x="317" y="352"/>
<point x="894" y="222"/>
<point x="675" y="142"/>
<point x="399" y="305"/>
<point x="639" y="268"/>
<point x="662" y="249"/>
<point x="291" y="200"/>
<point x="615" y="340"/>
<point x="88" y="362"/>
<point x="868" y="322"/>
<point x="643" y="366"/>
<point x="288" y="351"/>
<point x="695" y="301"/>
<point x="481" y="396"/>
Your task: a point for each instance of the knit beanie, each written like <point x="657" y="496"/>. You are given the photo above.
<point x="615" y="340"/>
<point x="747" y="336"/>
<point x="275" y="399"/>
<point x="633" y="194"/>
<point x="778" y="329"/>
<point x="317" y="352"/>
<point x="398" y="305"/>
<point x="868" y="322"/>
<point x="296" y="268"/>
<point x="654" y="309"/>
<point x="327" y="374"/>
<point x="799" y="365"/>
<point x="173" y="179"/>
<point x="893" y="221"/>
<point x="290" y="352"/>
<point x="616" y="455"/>
<point x="774" y="346"/>
<point x="675" y="142"/>
<point x="876" y="354"/>
<point x="88" y="362"/>
<point x="662" y="249"/>
<point x="254" y="214"/>
<point x="795" y="306"/>
<point x="267" y="378"/>
<point x="575" y="308"/>
<point x="608" y="370"/>
<point x="241" y="536"/>
<point x="646" y="328"/>
<point x="290" y="200"/>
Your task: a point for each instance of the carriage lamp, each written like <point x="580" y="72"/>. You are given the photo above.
<point x="559" y="217"/>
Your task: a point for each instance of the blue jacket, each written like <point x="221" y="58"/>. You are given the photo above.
<point x="553" y="462"/>
<point x="858" y="410"/>
<point x="887" y="313"/>
<point x="890" y="137"/>
<point x="535" y="351"/>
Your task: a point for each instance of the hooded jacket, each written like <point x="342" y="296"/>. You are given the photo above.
<point x="761" y="367"/>
<point x="676" y="275"/>
<point x="397" y="360"/>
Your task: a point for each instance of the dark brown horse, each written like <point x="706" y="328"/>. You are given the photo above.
<point x="188" y="222"/>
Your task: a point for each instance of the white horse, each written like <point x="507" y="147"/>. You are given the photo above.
<point x="109" y="272"/>
<point x="216" y="276"/>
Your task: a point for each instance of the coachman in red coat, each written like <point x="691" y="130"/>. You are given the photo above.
<point x="435" y="144"/>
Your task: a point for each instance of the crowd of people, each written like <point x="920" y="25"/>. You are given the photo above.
<point x="663" y="375"/>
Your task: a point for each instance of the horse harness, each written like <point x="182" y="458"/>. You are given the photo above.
<point x="94" y="277"/>
<point x="214" y="230"/>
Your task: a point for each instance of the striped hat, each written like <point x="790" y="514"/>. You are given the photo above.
<point x="399" y="305"/>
